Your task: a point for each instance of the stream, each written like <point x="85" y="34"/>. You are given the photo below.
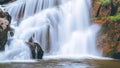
<point x="63" y="63"/>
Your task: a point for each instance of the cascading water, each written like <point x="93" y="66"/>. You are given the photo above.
<point x="63" y="30"/>
<point x="22" y="9"/>
<point x="78" y="35"/>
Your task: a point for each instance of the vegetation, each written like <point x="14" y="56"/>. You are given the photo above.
<point x="108" y="14"/>
<point x="115" y="18"/>
<point x="105" y="2"/>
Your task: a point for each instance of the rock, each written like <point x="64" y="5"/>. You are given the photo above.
<point x="4" y="24"/>
<point x="110" y="36"/>
<point x="5" y="15"/>
<point x="5" y="1"/>
<point x="5" y="20"/>
<point x="95" y="7"/>
<point x="3" y="40"/>
<point x="116" y="56"/>
<point x="118" y="39"/>
<point x="108" y="39"/>
<point x="101" y="9"/>
<point x="36" y="50"/>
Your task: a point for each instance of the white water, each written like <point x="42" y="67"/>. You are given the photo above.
<point x="22" y="9"/>
<point x="64" y="30"/>
<point x="78" y="36"/>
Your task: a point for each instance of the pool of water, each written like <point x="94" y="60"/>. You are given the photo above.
<point x="63" y="63"/>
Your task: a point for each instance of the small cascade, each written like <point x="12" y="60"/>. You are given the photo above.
<point x="15" y="51"/>
<point x="78" y="36"/>
<point x="45" y="29"/>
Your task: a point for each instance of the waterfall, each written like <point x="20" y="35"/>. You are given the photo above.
<point x="78" y="35"/>
<point x="63" y="30"/>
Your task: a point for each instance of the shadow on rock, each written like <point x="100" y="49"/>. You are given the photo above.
<point x="116" y="56"/>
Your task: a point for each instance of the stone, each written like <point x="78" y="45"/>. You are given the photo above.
<point x="5" y="20"/>
<point x="6" y="1"/>
<point x="116" y="56"/>
<point x="108" y="39"/>
<point x="36" y="50"/>
<point x="118" y="39"/>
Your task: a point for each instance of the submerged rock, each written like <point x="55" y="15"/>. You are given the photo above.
<point x="36" y="51"/>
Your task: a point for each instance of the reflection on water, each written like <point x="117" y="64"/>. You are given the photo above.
<point x="64" y="63"/>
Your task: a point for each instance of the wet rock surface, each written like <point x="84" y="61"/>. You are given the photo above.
<point x="36" y="50"/>
<point x="107" y="16"/>
<point x="5" y="20"/>
<point x="5" y="1"/>
<point x="116" y="56"/>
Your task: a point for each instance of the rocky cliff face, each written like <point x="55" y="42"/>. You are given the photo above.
<point x="107" y="15"/>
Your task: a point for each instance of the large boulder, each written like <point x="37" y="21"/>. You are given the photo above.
<point x="3" y="33"/>
<point x="5" y="20"/>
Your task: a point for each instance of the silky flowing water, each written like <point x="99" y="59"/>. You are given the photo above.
<point x="62" y="28"/>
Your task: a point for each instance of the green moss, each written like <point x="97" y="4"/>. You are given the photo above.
<point x="115" y="18"/>
<point x="105" y="2"/>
